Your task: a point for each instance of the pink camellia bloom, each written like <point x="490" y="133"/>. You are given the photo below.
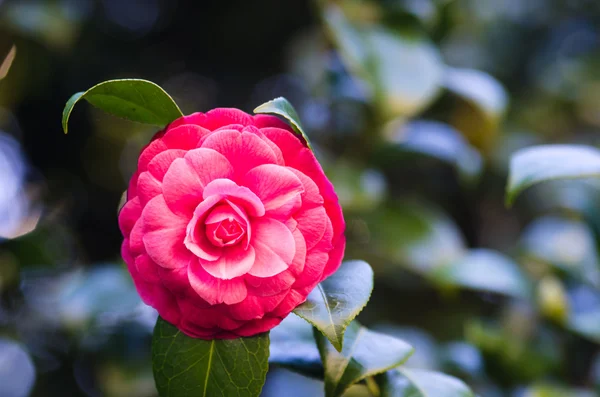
<point x="229" y="223"/>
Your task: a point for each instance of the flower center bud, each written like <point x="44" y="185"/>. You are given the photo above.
<point x="226" y="232"/>
<point x="224" y="227"/>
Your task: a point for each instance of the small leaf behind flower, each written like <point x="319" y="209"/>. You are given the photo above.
<point x="336" y="301"/>
<point x="365" y="353"/>
<point x="185" y="366"/>
<point x="132" y="99"/>
<point x="282" y="107"/>
<point x="408" y="382"/>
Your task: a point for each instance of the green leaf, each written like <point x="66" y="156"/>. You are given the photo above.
<point x="132" y="99"/>
<point x="365" y="353"/>
<point x="185" y="366"/>
<point x="479" y="89"/>
<point x="408" y="382"/>
<point x="7" y="62"/>
<point x="282" y="107"/>
<point x="404" y="70"/>
<point x="550" y="162"/>
<point x="439" y="141"/>
<point x="293" y="347"/>
<point x="486" y="270"/>
<point x="564" y="243"/>
<point x="336" y="301"/>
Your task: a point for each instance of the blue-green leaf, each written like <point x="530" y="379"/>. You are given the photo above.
<point x="336" y="301"/>
<point x="408" y="382"/>
<point x="366" y="353"/>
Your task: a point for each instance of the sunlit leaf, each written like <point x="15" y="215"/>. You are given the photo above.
<point x="132" y="99"/>
<point x="404" y="71"/>
<point x="336" y="301"/>
<point x="480" y="89"/>
<point x="282" y="107"/>
<point x="440" y="141"/>
<point x="483" y="105"/>
<point x="549" y="162"/>
<point x="486" y="270"/>
<point x="7" y="62"/>
<point x="365" y="353"/>
<point x="565" y="243"/>
<point x="409" y="382"/>
<point x="552" y="299"/>
<point x="185" y="366"/>
<point x="17" y="372"/>
<point x="293" y="346"/>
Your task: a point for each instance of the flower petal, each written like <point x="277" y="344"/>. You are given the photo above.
<point x="226" y="188"/>
<point x="336" y="255"/>
<point x="129" y="214"/>
<point x="164" y="233"/>
<point x="235" y="261"/>
<point x="185" y="180"/>
<point x="254" y="307"/>
<point x="274" y="245"/>
<point x="291" y="301"/>
<point x="186" y="136"/>
<point x="278" y="188"/>
<point x="312" y="223"/>
<point x="313" y="271"/>
<point x="148" y="187"/>
<point x="269" y="286"/>
<point x="214" y="290"/>
<point x="195" y="236"/>
<point x="244" y="150"/>
<point x="221" y="117"/>
<point x="149" y="152"/>
<point x="160" y="164"/>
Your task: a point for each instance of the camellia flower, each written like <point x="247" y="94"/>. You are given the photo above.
<point x="229" y="223"/>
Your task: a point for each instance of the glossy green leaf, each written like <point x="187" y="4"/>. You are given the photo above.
<point x="185" y="366"/>
<point x="486" y="270"/>
<point x="7" y="62"/>
<point x="404" y="71"/>
<point x="565" y="243"/>
<point x="366" y="353"/>
<point x="132" y="99"/>
<point x="282" y="107"/>
<point x="439" y="141"/>
<point x="480" y="89"/>
<point x="336" y="301"/>
<point x="407" y="382"/>
<point x="549" y="162"/>
<point x="293" y="346"/>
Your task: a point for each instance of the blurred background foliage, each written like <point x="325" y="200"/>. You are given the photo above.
<point x="414" y="108"/>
